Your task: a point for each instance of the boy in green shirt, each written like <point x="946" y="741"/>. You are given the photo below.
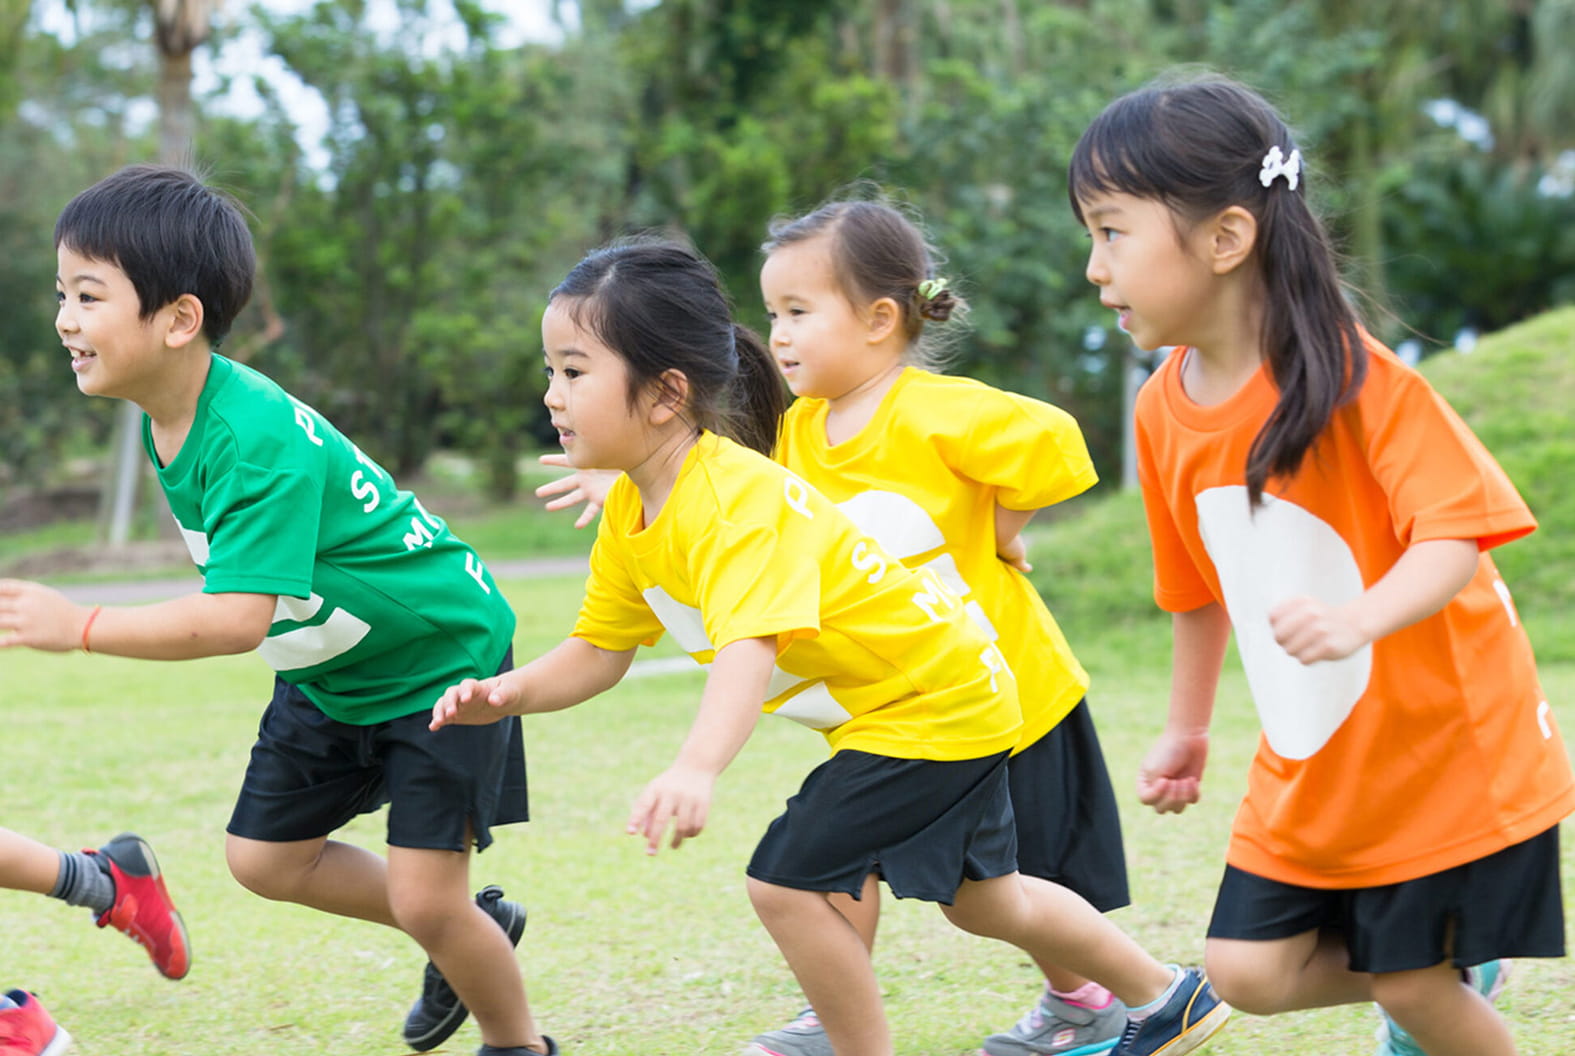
<point x="364" y="604"/>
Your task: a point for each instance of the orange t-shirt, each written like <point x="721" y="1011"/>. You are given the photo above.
<point x="1431" y="747"/>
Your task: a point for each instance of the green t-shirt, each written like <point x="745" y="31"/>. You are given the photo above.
<point x="381" y="607"/>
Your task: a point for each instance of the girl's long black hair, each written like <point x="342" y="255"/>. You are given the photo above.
<point x="1199" y="146"/>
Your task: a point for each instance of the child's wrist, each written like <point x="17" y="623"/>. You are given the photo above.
<point x="87" y="626"/>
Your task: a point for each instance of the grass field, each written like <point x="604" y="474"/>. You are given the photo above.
<point x="631" y="956"/>
<point x="624" y="954"/>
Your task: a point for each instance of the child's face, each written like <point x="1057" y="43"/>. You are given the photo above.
<point x="588" y="395"/>
<point x="817" y="336"/>
<point x="114" y="352"/>
<point x="1153" y="275"/>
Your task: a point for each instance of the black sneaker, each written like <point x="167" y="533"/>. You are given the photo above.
<point x="493" y="1050"/>
<point x="438" y="1012"/>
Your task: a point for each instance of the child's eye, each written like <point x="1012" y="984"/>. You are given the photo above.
<point x="1110" y="234"/>
<point x="546" y="372"/>
<point x="571" y="373"/>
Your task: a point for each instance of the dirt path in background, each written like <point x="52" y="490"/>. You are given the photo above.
<point x="130" y="592"/>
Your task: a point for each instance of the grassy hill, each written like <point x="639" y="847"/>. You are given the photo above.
<point x="1516" y="390"/>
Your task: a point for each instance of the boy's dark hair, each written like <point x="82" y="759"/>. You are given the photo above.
<point x="661" y="306"/>
<point x="1199" y="146"/>
<point x="171" y="235"/>
<point x="877" y="251"/>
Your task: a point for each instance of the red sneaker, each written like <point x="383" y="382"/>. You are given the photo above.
<point x="28" y="1030"/>
<point x="142" y="906"/>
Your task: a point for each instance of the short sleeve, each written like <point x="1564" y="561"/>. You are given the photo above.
<point x="262" y="526"/>
<point x="1441" y="481"/>
<point x="614" y="614"/>
<point x="757" y="581"/>
<point x="1033" y="453"/>
<point x="1178" y="585"/>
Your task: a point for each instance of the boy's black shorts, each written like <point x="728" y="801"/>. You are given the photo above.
<point x="1505" y="905"/>
<point x="1068" y="825"/>
<point x="924" y="826"/>
<point x="310" y="774"/>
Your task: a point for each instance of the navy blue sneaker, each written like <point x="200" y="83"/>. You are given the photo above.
<point x="438" y="1012"/>
<point x="1193" y="1014"/>
<point x="493" y="1050"/>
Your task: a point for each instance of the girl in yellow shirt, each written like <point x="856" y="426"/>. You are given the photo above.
<point x="794" y="610"/>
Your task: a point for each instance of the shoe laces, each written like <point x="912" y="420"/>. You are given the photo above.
<point x="1128" y="1034"/>
<point x="805" y="1020"/>
<point x="1033" y="1020"/>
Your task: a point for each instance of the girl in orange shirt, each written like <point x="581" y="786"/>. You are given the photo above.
<point x="1307" y="490"/>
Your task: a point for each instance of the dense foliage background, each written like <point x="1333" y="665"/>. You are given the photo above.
<point x="406" y="262"/>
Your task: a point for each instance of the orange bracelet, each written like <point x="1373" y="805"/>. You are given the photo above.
<point x="88" y="626"/>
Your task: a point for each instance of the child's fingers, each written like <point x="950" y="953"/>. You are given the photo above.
<point x="558" y="459"/>
<point x="569" y="484"/>
<point x="588" y="514"/>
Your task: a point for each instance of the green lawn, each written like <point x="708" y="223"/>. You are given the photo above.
<point x="624" y="954"/>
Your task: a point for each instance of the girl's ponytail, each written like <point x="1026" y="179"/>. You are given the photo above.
<point x="759" y="395"/>
<point x="1311" y="338"/>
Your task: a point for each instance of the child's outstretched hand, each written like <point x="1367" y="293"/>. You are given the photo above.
<point x="1171" y="775"/>
<point x="474" y="702"/>
<point x="39" y="617"/>
<point x="589" y="486"/>
<point x="679" y="793"/>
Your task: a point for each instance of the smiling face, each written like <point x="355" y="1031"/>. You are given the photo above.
<point x="588" y="395"/>
<point x="114" y="351"/>
<point x="1154" y="274"/>
<point x="818" y="338"/>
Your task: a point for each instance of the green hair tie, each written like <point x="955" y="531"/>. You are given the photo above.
<point x="930" y="289"/>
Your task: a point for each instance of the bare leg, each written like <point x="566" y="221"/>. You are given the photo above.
<point x="862" y="912"/>
<point x="430" y="894"/>
<point x="423" y="893"/>
<point x="337" y="878"/>
<point x="1056" y="926"/>
<point x="26" y="864"/>
<point x="1310" y="970"/>
<point x="828" y="957"/>
<point x="1444" y="1015"/>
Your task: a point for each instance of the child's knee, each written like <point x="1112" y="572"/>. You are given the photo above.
<point x="1247" y="982"/>
<point x="1405" y="994"/>
<point x="775" y="902"/>
<point x="256" y="868"/>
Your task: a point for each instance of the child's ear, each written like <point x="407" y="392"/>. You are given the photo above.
<point x="185" y="321"/>
<point x="884" y="317"/>
<point x="1232" y="235"/>
<point x="670" y="394"/>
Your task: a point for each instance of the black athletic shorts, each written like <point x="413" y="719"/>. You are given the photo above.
<point x="1505" y="905"/>
<point x="924" y="826"/>
<point x="310" y="774"/>
<point x="1068" y="826"/>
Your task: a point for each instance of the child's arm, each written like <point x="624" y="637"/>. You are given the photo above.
<point x="582" y="485"/>
<point x="1009" y="545"/>
<point x="570" y="673"/>
<point x="729" y="709"/>
<point x="1172" y="773"/>
<point x="185" y="628"/>
<point x="1423" y="581"/>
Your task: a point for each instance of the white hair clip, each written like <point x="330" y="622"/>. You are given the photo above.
<point x="1276" y="163"/>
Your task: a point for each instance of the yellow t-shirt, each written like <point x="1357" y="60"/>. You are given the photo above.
<point x="924" y="477"/>
<point x="875" y="656"/>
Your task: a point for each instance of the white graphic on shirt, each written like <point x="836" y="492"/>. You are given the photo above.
<point x="896" y="522"/>
<point x="813" y="706"/>
<point x="1264" y="558"/>
<point x="904" y="529"/>
<point x="310" y="646"/>
<point x="196" y="545"/>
